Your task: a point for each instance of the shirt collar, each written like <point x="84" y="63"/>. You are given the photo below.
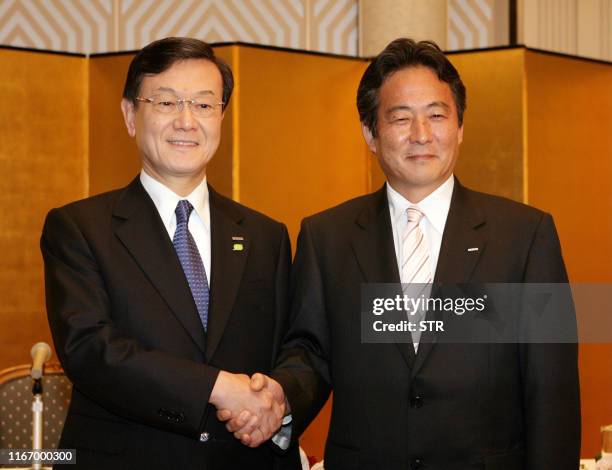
<point x="166" y="200"/>
<point x="435" y="206"/>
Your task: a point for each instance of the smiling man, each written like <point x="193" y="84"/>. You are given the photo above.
<point x="422" y="404"/>
<point x="150" y="288"/>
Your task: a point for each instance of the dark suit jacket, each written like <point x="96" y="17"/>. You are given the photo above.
<point x="453" y="406"/>
<point x="127" y="332"/>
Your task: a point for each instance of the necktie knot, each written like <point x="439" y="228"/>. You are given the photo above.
<point x="414" y="215"/>
<point x="183" y="211"/>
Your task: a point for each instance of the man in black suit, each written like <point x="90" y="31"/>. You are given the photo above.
<point x="162" y="296"/>
<point x="425" y="403"/>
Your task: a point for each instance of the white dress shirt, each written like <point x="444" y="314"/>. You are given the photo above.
<point x="165" y="201"/>
<point x="435" y="211"/>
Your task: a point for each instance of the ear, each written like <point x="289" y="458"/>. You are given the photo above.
<point x="129" y="116"/>
<point x="369" y="138"/>
<point x="460" y="134"/>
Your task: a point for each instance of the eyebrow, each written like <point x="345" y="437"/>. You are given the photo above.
<point x="434" y="104"/>
<point x="172" y="90"/>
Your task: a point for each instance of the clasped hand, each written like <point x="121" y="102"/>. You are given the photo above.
<point x="253" y="409"/>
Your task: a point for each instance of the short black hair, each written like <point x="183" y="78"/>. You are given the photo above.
<point x="160" y="55"/>
<point x="400" y="54"/>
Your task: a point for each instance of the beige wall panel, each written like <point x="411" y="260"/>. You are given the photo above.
<point x="471" y="24"/>
<point x="594" y="18"/>
<point x="381" y="21"/>
<point x="270" y="22"/>
<point x="570" y="175"/>
<point x="501" y="23"/>
<point x="42" y="165"/>
<point x="301" y="149"/>
<point x="582" y="27"/>
<point x="69" y="26"/>
<point x="332" y="26"/>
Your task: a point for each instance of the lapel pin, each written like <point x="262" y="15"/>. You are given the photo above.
<point x="237" y="247"/>
<point x="472" y="249"/>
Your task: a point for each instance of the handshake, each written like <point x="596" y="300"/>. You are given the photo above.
<point x="253" y="409"/>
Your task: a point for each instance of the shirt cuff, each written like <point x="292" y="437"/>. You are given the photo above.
<point x="283" y="437"/>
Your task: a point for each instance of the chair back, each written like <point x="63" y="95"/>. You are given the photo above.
<point x="16" y="406"/>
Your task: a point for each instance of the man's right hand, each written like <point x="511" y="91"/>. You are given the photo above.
<point x="255" y="406"/>
<point x="243" y="425"/>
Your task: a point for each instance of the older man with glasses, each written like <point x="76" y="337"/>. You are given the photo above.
<point x="151" y="287"/>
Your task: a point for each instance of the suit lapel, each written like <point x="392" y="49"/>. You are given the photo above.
<point x="229" y="251"/>
<point x="143" y="234"/>
<point x="375" y="251"/>
<point x="463" y="243"/>
<point x="373" y="242"/>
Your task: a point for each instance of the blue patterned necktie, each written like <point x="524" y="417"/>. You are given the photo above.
<point x="190" y="259"/>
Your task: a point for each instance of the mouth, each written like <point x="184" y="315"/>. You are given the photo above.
<point x="183" y="143"/>
<point x="421" y="157"/>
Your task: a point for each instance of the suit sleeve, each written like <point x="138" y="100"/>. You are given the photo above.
<point x="302" y="368"/>
<point x="283" y="270"/>
<point x="550" y="371"/>
<point x="103" y="362"/>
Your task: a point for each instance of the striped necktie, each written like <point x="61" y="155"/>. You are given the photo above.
<point x="416" y="267"/>
<point x="190" y="259"/>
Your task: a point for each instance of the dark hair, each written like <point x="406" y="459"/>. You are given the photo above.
<point x="400" y="54"/>
<point x="160" y="55"/>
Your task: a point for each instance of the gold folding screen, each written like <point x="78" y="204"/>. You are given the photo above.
<point x="569" y="168"/>
<point x="43" y="163"/>
<point x="300" y="148"/>
<point x="537" y="130"/>
<point x="113" y="160"/>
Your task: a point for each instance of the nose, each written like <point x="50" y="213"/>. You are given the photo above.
<point x="420" y="131"/>
<point x="184" y="119"/>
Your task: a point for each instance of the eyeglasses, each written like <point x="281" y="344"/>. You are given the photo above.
<point x="170" y="104"/>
